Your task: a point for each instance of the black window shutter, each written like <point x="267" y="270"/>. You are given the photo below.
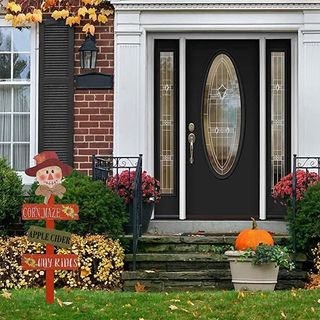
<point x="56" y="59"/>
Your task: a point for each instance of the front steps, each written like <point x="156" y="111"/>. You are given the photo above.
<point x="169" y="263"/>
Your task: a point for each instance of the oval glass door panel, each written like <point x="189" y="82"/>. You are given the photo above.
<point x="222" y="114"/>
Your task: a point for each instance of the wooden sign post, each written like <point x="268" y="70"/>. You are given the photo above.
<point x="51" y="237"/>
<point x="49" y="171"/>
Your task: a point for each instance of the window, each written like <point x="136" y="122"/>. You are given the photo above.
<point x="17" y="98"/>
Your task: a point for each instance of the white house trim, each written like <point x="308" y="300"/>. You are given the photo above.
<point x="137" y="23"/>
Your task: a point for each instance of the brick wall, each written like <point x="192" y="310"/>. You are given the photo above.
<point x="93" y="109"/>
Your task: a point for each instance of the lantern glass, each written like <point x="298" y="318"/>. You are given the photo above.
<point x="93" y="59"/>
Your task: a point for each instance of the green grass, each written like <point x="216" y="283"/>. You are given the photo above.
<point x="30" y="304"/>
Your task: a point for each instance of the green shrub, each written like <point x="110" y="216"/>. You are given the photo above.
<point x="11" y="196"/>
<point x="307" y="221"/>
<point x="100" y="262"/>
<point x="100" y="210"/>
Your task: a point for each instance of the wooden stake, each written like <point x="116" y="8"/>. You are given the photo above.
<point x="50" y="273"/>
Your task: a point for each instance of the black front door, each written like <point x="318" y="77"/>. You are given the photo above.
<point x="222" y="129"/>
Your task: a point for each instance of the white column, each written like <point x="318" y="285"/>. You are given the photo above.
<point x="128" y="111"/>
<point x="309" y="82"/>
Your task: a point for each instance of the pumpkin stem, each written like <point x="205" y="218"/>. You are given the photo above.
<point x="254" y="224"/>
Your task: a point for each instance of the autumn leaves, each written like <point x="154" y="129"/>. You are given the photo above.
<point x="92" y="12"/>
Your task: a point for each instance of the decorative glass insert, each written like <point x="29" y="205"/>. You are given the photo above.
<point x="222" y="114"/>
<point x="278" y="154"/>
<point x="15" y="52"/>
<point x="167" y="98"/>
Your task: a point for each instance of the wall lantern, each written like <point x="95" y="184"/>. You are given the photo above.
<point x="88" y="53"/>
<point x="88" y="58"/>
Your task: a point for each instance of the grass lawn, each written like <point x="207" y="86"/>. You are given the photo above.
<point x="30" y="304"/>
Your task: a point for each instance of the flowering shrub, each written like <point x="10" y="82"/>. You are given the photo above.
<point x="282" y="191"/>
<point x="123" y="184"/>
<point x="100" y="264"/>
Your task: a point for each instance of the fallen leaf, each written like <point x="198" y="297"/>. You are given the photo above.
<point x="241" y="295"/>
<point x="149" y="271"/>
<point x="190" y="302"/>
<point x="185" y="310"/>
<point x="67" y="303"/>
<point x="60" y="302"/>
<point x="128" y="305"/>
<point x="139" y="287"/>
<point x="175" y="300"/>
<point x="6" y="294"/>
<point x="312" y="309"/>
<point x="173" y="307"/>
<point x="283" y="315"/>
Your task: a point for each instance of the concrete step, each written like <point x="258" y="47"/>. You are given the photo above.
<point x="200" y="280"/>
<point x="218" y="243"/>
<point x="177" y="261"/>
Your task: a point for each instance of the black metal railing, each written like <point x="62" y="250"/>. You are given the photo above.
<point x="106" y="167"/>
<point x="308" y="164"/>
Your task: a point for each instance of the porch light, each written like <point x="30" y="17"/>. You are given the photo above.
<point x="88" y="53"/>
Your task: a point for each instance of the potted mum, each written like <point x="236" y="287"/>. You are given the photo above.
<point x="255" y="262"/>
<point x="123" y="184"/>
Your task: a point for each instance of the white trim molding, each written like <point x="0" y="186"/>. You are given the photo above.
<point x="215" y="5"/>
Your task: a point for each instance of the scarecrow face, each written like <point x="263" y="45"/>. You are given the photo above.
<point x="49" y="176"/>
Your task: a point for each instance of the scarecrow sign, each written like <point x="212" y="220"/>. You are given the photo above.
<point x="49" y="171"/>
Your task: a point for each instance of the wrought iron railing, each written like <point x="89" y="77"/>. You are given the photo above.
<point x="108" y="166"/>
<point x="308" y="164"/>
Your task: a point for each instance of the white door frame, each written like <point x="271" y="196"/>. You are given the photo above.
<point x="262" y="37"/>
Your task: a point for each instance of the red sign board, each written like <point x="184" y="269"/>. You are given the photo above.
<point x="50" y="212"/>
<point x="49" y="262"/>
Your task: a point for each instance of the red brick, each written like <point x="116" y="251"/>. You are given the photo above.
<point x="81" y="117"/>
<point x="81" y="104"/>
<point x="98" y="138"/>
<point x="78" y="138"/>
<point x="81" y="145"/>
<point x="89" y="97"/>
<point x="85" y="165"/>
<point x="88" y="152"/>
<point x="97" y="131"/>
<point x="89" y="124"/>
<point x="81" y="131"/>
<point x="100" y="117"/>
<point x="81" y="159"/>
<point x="89" y="138"/>
<point x="89" y="111"/>
<point x="78" y="97"/>
<point x="97" y="145"/>
<point x="105" y="124"/>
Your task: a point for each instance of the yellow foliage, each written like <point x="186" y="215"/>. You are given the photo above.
<point x="56" y="15"/>
<point x="106" y="12"/>
<point x="12" y="6"/>
<point x="89" y="28"/>
<point x="64" y="14"/>
<point x="82" y="11"/>
<point x="100" y="264"/>
<point x="102" y="18"/>
<point x="19" y="20"/>
<point x="70" y="21"/>
<point x="87" y="2"/>
<point x="36" y="16"/>
<point x="92" y="14"/>
<point x="8" y="17"/>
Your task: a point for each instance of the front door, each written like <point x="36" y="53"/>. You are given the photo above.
<point x="222" y="129"/>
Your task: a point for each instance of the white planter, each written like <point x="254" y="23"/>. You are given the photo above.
<point x="247" y="276"/>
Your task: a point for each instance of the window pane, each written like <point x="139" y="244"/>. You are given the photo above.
<point x="21" y="66"/>
<point x="167" y="122"/>
<point x="21" y="40"/>
<point x="5" y="98"/>
<point x="21" y="127"/>
<point x="20" y="156"/>
<point x="5" y="39"/>
<point x="5" y="152"/>
<point x="21" y="98"/>
<point x="222" y="114"/>
<point x="5" y="128"/>
<point x="5" y="66"/>
<point x="277" y="116"/>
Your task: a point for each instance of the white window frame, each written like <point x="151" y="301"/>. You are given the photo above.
<point x="34" y="81"/>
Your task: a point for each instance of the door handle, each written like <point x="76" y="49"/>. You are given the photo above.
<point x="191" y="140"/>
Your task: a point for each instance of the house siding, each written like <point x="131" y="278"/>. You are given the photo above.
<point x="93" y="109"/>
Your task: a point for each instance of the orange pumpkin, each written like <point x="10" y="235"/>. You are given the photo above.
<point x="251" y="238"/>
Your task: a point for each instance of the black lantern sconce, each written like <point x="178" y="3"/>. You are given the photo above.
<point x="88" y="58"/>
<point x="88" y="53"/>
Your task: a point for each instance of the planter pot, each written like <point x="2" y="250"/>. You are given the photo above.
<point x="146" y="212"/>
<point x="247" y="276"/>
